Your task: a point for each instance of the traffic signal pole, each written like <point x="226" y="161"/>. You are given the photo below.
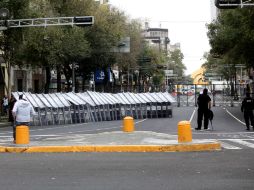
<point x="45" y="22"/>
<point x="81" y="21"/>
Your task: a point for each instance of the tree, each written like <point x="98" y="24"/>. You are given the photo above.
<point x="89" y="47"/>
<point x="10" y="39"/>
<point x="175" y="62"/>
<point x="231" y="37"/>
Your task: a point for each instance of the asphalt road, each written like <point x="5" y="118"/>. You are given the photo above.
<point x="231" y="168"/>
<point x="227" y="170"/>
<point x="228" y="127"/>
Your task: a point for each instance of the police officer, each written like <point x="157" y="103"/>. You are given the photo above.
<point x="247" y="109"/>
<point x="204" y="104"/>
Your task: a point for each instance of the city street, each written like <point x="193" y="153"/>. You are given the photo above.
<point x="226" y="169"/>
<point x="230" y="168"/>
<point x="108" y="94"/>
<point x="228" y="127"/>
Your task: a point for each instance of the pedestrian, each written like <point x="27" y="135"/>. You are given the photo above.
<point x="247" y="109"/>
<point x="11" y="105"/>
<point x="22" y="112"/>
<point x="204" y="105"/>
<point x="5" y="105"/>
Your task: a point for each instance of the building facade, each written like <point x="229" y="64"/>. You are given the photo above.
<point x="156" y="37"/>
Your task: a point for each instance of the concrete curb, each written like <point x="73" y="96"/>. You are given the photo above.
<point x="181" y="147"/>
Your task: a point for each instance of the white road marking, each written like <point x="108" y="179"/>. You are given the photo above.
<point x="140" y="121"/>
<point x="229" y="146"/>
<point x="242" y="142"/>
<point x="192" y="115"/>
<point x="234" y="117"/>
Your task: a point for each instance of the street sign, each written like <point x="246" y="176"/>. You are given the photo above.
<point x="169" y="73"/>
<point x="99" y="76"/>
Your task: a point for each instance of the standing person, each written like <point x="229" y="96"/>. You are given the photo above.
<point x="204" y="104"/>
<point x="247" y="109"/>
<point x="22" y="112"/>
<point x="11" y="105"/>
<point x="5" y="105"/>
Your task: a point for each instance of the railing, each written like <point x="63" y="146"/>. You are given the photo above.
<point x="220" y="94"/>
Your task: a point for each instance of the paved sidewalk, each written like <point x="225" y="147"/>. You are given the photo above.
<point x="137" y="141"/>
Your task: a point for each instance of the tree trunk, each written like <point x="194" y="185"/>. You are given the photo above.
<point x="59" y="83"/>
<point x="48" y="78"/>
<point x="67" y="72"/>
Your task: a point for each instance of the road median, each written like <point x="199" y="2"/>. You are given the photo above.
<point x="181" y="147"/>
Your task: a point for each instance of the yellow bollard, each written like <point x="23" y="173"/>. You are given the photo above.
<point x="22" y="134"/>
<point x="184" y="132"/>
<point x="128" y="124"/>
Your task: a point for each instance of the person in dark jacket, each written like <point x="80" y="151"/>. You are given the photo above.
<point x="247" y="109"/>
<point x="204" y="104"/>
<point x="11" y="105"/>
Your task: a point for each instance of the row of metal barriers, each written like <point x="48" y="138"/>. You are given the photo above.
<point x="70" y="108"/>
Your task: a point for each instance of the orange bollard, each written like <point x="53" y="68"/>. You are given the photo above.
<point x="22" y="134"/>
<point x="128" y="124"/>
<point x="184" y="132"/>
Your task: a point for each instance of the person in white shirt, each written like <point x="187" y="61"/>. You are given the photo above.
<point x="23" y="112"/>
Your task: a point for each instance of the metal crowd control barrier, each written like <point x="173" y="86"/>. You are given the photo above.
<point x="100" y="106"/>
<point x="110" y="106"/>
<point x="91" y="106"/>
<point x="45" y="111"/>
<point x="152" y="113"/>
<point x="147" y="104"/>
<point x="171" y="102"/>
<point x="105" y="104"/>
<point x="114" y="106"/>
<point x="132" y="103"/>
<point x="83" y="108"/>
<point x="68" y="108"/>
<point x="126" y="109"/>
<point x="38" y="108"/>
<point x="162" y="105"/>
<point x="137" y="105"/>
<point x="143" y="106"/>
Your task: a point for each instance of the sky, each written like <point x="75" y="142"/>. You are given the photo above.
<point x="185" y="20"/>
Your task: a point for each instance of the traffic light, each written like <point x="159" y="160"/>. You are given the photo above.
<point x="227" y="4"/>
<point x="83" y="21"/>
<point x="4" y="13"/>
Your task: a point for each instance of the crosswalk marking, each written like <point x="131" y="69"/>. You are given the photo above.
<point x="243" y="142"/>
<point x="228" y="146"/>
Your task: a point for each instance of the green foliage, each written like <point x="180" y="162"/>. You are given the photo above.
<point x="90" y="47"/>
<point x="175" y="62"/>
<point x="232" y="37"/>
